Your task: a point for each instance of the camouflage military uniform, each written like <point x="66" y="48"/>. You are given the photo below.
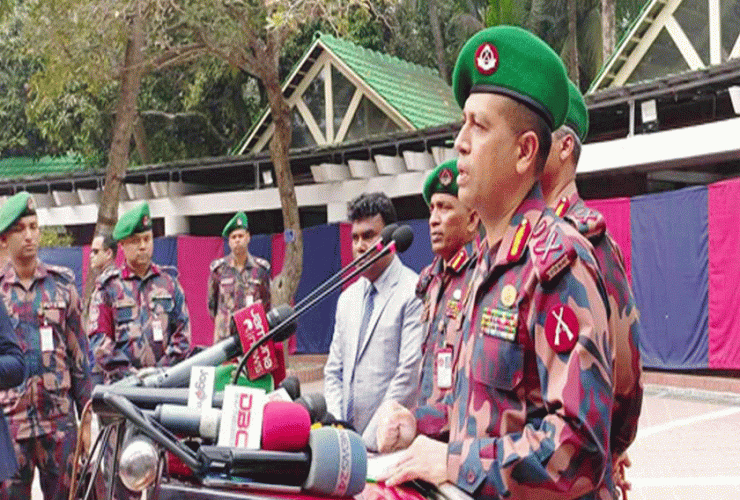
<point x="137" y="322"/>
<point x="531" y="403"/>
<point x="46" y="319"/>
<point x="624" y="320"/>
<point x="230" y="289"/>
<point x="440" y="287"/>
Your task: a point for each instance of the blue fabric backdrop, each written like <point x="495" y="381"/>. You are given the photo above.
<point x="259" y="245"/>
<point x="67" y="257"/>
<point x="419" y="255"/>
<point x="670" y="261"/>
<point x="321" y="260"/>
<point x="165" y="251"/>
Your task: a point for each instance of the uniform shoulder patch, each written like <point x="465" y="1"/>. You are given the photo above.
<point x="262" y="262"/>
<point x="552" y="250"/>
<point x="589" y="222"/>
<point x="217" y="263"/>
<point x="63" y="272"/>
<point x="109" y="273"/>
<point x="171" y="270"/>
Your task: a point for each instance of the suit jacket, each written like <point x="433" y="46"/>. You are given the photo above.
<point x="386" y="365"/>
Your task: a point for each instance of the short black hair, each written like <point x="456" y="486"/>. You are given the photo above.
<point x="109" y="243"/>
<point x="525" y="118"/>
<point x="372" y="204"/>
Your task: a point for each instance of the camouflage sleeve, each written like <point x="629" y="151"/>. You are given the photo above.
<point x="266" y="294"/>
<point x="563" y="449"/>
<point x="432" y="420"/>
<point x="213" y="293"/>
<point x="624" y="322"/>
<point x="12" y="362"/>
<point x="101" y="335"/>
<point x="79" y="353"/>
<point x="178" y="347"/>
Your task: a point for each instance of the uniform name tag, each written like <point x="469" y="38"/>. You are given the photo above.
<point x="444" y="368"/>
<point x="47" y="338"/>
<point x="157" y="332"/>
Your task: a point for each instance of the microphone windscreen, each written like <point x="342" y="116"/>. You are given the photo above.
<point x="286" y="426"/>
<point x="292" y="385"/>
<point x="338" y="463"/>
<point x="315" y="403"/>
<point x="403" y="236"/>
<point x="276" y="316"/>
<point x="387" y="233"/>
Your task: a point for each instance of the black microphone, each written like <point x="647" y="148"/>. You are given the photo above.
<point x="292" y="386"/>
<point x="179" y="374"/>
<point x="335" y="464"/>
<point x="315" y="403"/>
<point x="386" y="235"/>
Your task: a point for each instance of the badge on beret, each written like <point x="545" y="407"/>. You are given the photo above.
<point x="30" y="203"/>
<point x="145" y="220"/>
<point x="561" y="328"/>
<point x="445" y="177"/>
<point x="239" y="222"/>
<point x="486" y="59"/>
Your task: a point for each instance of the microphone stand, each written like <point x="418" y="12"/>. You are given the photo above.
<point x="385" y="237"/>
<point x="390" y="248"/>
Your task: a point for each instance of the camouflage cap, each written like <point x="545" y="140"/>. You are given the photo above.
<point x="443" y="179"/>
<point x="17" y="206"/>
<point x="238" y="221"/>
<point x="136" y="220"/>
<point x="577" y="117"/>
<point x="513" y="62"/>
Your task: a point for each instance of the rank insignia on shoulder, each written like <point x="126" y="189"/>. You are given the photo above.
<point x="561" y="328"/>
<point x="499" y="323"/>
<point x="519" y="242"/>
<point x="587" y="221"/>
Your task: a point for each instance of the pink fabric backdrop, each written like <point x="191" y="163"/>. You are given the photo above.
<point x="194" y="257"/>
<point x="616" y="211"/>
<point x="276" y="266"/>
<point x="724" y="274"/>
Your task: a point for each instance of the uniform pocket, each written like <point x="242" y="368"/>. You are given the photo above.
<point x="497" y="363"/>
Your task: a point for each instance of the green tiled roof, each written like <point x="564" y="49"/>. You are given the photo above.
<point x="415" y="91"/>
<point x="17" y="168"/>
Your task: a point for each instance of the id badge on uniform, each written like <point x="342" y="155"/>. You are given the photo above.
<point x="157" y="332"/>
<point x="248" y="301"/>
<point x="47" y="338"/>
<point x="444" y="368"/>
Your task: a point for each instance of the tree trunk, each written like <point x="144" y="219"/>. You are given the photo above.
<point x="608" y="28"/>
<point x="536" y="15"/>
<point x="142" y="144"/>
<point x="573" y="72"/>
<point x="285" y="285"/>
<point x="126" y="111"/>
<point x="439" y="48"/>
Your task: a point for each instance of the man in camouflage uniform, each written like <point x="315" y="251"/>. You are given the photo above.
<point x="237" y="280"/>
<point x="44" y="307"/>
<point x="452" y="231"/>
<point x="138" y="315"/>
<point x="532" y="369"/>
<point x="561" y="194"/>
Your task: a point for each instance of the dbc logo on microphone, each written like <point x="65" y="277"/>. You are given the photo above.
<point x="241" y="424"/>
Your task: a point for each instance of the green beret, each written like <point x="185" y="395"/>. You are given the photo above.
<point x="513" y="62"/>
<point x="238" y="221"/>
<point x="442" y="179"/>
<point x="17" y="206"/>
<point x="136" y="220"/>
<point x="577" y="117"/>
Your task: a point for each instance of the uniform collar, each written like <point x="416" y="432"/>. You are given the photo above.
<point x="128" y="273"/>
<point x="248" y="262"/>
<point x="568" y="199"/>
<point x="458" y="261"/>
<point x="8" y="272"/>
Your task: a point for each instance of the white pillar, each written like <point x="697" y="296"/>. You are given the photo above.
<point x="336" y="212"/>
<point x="175" y="225"/>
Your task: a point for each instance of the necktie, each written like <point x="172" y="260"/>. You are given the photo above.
<point x="364" y="324"/>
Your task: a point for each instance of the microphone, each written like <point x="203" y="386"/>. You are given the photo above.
<point x="179" y="374"/>
<point x="385" y="237"/>
<point x="315" y="404"/>
<point x="335" y="464"/>
<point x="400" y="242"/>
<point x="285" y="426"/>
